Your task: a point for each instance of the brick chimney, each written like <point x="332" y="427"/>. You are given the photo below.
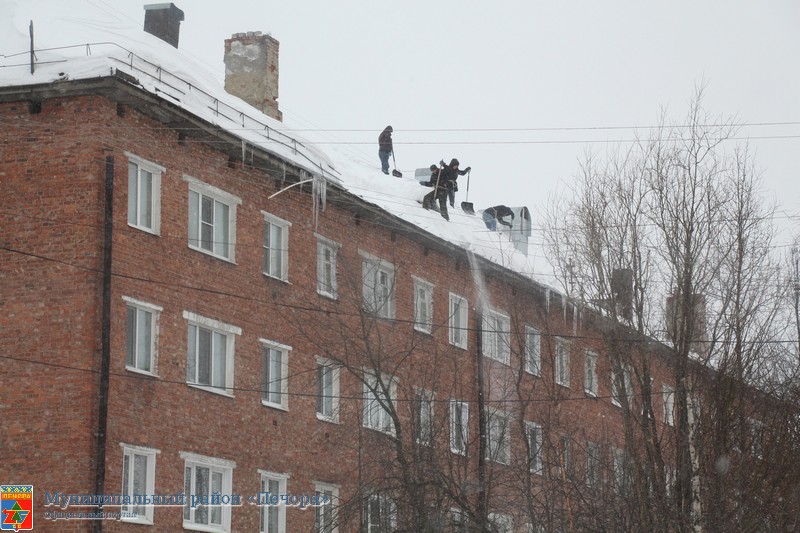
<point x="163" y="21"/>
<point x="251" y="71"/>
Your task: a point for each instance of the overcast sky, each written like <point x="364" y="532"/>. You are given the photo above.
<point x="533" y="69"/>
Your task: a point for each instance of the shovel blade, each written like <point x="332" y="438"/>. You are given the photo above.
<point x="468" y="208"/>
<point x="397" y="174"/>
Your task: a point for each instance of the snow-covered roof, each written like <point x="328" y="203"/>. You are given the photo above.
<point x="73" y="48"/>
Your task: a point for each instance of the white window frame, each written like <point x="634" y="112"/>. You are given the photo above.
<point x="326" y="270"/>
<point x="378" y="276"/>
<point x="326" y="367"/>
<point x="377" y="416"/>
<point x="458" y="320"/>
<point x="593" y="465"/>
<point x="459" y="426"/>
<point x="668" y="400"/>
<point x="130" y="451"/>
<point x="218" y="196"/>
<point x="619" y="469"/>
<point x="215" y="327"/>
<point x="326" y="512"/>
<point x="140" y="306"/>
<point x="266" y="509"/>
<point x="269" y="349"/>
<point x="564" y="456"/>
<point x="271" y="253"/>
<point x="498" y="436"/>
<point x="458" y="520"/>
<point x="224" y="468"/>
<point x="386" y="504"/>
<point x="616" y="394"/>
<point x="423" y="305"/>
<point x="533" y="351"/>
<point x="590" y="359"/>
<point x="496" y="338"/>
<point x="561" y="362"/>
<point x="501" y="523"/>
<point x="424" y="411"/>
<point x="155" y="171"/>
<point x="534" y="436"/>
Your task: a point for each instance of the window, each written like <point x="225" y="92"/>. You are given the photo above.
<point x="275" y="379"/>
<point x="212" y="219"/>
<point x="458" y="321"/>
<point x="210" y="355"/>
<point x="325" y="512"/>
<point x="380" y="514"/>
<point x="423" y="305"/>
<point x="593" y="466"/>
<point x="326" y="266"/>
<point x="327" y="390"/>
<point x="138" y="478"/>
<point x="377" y="403"/>
<point x="144" y="194"/>
<point x="620" y="384"/>
<point x="202" y="478"/>
<point x="668" y="397"/>
<point x="533" y="351"/>
<point x="501" y="523"/>
<point x="459" y="424"/>
<point x="534" y="438"/>
<point x="497" y="337"/>
<point x="619" y="470"/>
<point x="378" y="286"/>
<point x="564" y="451"/>
<point x="562" y="362"/>
<point x="272" y="517"/>
<point x="590" y="373"/>
<point x="424" y="417"/>
<point x="499" y="437"/>
<point x="458" y="521"/>
<point x="276" y="247"/>
<point x="141" y="336"/>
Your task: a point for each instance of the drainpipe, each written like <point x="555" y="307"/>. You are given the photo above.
<point x="105" y="338"/>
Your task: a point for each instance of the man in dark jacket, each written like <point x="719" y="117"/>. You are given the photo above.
<point x="493" y="215"/>
<point x="450" y="174"/>
<point x="385" y="148"/>
<point x="439" y="192"/>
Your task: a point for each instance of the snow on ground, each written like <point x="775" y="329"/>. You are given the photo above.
<point x="189" y="85"/>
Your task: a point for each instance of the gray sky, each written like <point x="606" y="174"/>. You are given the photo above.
<point x="533" y="69"/>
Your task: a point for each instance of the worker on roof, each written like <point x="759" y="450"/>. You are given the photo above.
<point x="493" y="215"/>
<point x="385" y="148"/>
<point x="451" y="173"/>
<point x="439" y="192"/>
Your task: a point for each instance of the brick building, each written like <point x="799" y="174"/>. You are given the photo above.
<point x="191" y="310"/>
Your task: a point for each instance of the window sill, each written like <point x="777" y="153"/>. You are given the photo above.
<point x="140" y="371"/>
<point x="277" y="406"/>
<point x="328" y="295"/>
<point x="537" y="374"/>
<point x="210" y="529"/>
<point x="328" y="419"/>
<point x="215" y="256"/>
<point x="387" y="432"/>
<point x="151" y="231"/>
<point x="213" y="390"/>
<point x="276" y="278"/>
<point x="424" y="331"/>
<point x="141" y="521"/>
<point x="590" y="393"/>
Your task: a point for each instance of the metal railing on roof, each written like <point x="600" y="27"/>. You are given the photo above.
<point x="247" y="122"/>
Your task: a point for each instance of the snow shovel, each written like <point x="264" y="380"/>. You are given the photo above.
<point x="396" y="173"/>
<point x="467" y="207"/>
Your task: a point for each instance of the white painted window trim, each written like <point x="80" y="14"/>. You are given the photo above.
<point x="335" y="370"/>
<point x="423" y="324"/>
<point x="496" y="341"/>
<point x="282" y="479"/>
<point x="230" y="332"/>
<point x="561" y="364"/>
<point x="498" y="452"/>
<point x="535" y="351"/>
<point x="155" y="310"/>
<point x="221" y="196"/>
<point x="322" y="243"/>
<point x="370" y="397"/>
<point x="463" y="406"/>
<point x="151" y="454"/>
<point x="463" y="314"/>
<point x="284" y="349"/>
<point x="376" y="264"/>
<point x="269" y="218"/>
<point x="587" y="356"/>
<point x="536" y="465"/>
<point x="321" y="487"/>
<point x="193" y="460"/>
<point x="668" y="401"/>
<point x="156" y="171"/>
<point x="427" y="398"/>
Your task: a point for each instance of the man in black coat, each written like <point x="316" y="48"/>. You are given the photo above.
<point x="450" y="174"/>
<point x="385" y="148"/>
<point x="439" y="192"/>
<point x="493" y="215"/>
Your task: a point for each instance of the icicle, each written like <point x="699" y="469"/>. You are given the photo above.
<point x="564" y="307"/>
<point x="547" y="300"/>
<point x="574" y="320"/>
<point x="319" y="193"/>
<point x="244" y="151"/>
